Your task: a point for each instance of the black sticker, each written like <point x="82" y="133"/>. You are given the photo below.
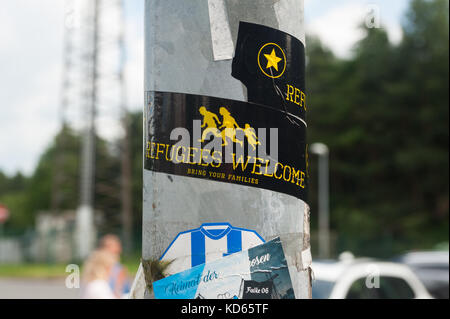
<point x="258" y="290"/>
<point x="271" y="64"/>
<point x="227" y="141"/>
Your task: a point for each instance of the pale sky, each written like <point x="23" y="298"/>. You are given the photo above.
<point x="31" y="55"/>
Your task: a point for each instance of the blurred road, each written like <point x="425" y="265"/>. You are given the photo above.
<point x="36" y="289"/>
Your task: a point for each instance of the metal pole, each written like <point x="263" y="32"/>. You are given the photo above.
<point x="126" y="170"/>
<point x="85" y="212"/>
<point x="190" y="49"/>
<point x="323" y="189"/>
<point x="58" y="174"/>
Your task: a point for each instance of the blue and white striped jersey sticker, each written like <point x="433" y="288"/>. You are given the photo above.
<point x="207" y="243"/>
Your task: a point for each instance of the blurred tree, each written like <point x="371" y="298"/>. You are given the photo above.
<point x="421" y="81"/>
<point x="136" y="150"/>
<point x="33" y="194"/>
<point x="12" y="184"/>
<point x="384" y="114"/>
<point x="25" y="197"/>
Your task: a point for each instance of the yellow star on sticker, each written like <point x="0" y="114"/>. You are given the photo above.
<point x="272" y="60"/>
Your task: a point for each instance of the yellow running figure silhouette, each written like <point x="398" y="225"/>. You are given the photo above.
<point x="229" y="128"/>
<point x="229" y="125"/>
<point x="209" y="121"/>
<point x="250" y="134"/>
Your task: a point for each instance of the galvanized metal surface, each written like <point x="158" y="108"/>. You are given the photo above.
<point x="180" y="58"/>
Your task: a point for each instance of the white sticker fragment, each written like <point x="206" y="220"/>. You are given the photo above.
<point x="306" y="258"/>
<point x="138" y="288"/>
<point x="222" y="42"/>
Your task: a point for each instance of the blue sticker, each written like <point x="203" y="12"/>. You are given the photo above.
<point x="209" y="242"/>
<point x="258" y="273"/>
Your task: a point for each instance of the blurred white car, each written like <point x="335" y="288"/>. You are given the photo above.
<point x="351" y="278"/>
<point x="432" y="268"/>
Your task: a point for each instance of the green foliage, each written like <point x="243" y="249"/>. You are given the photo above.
<point x="136" y="150"/>
<point x="384" y="115"/>
<point x="55" y="184"/>
<point x="26" y="196"/>
<point x="154" y="270"/>
<point x="38" y="271"/>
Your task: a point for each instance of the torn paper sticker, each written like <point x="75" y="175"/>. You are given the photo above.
<point x="258" y="273"/>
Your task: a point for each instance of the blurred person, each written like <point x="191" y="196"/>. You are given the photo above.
<point x="96" y="271"/>
<point x="118" y="277"/>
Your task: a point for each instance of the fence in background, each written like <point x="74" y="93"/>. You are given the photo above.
<point x="53" y="241"/>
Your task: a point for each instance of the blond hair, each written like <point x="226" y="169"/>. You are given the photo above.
<point x="98" y="266"/>
<point x="107" y="239"/>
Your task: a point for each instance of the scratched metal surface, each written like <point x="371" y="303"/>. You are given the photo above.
<point x="179" y="58"/>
